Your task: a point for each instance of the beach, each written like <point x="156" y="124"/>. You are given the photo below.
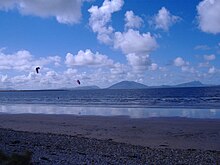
<point x="171" y="140"/>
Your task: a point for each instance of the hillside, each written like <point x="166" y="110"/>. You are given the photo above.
<point x="128" y="85"/>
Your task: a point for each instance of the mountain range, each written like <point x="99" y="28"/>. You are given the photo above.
<point x="130" y="85"/>
<point x="135" y="85"/>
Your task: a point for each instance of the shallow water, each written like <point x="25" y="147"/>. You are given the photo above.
<point x="110" y="111"/>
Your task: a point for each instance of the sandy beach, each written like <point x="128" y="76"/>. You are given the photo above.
<point x="179" y="133"/>
<point x="164" y="134"/>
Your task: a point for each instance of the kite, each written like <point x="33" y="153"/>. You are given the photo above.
<point x="37" y="69"/>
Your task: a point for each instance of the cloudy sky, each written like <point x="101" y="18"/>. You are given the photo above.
<point x="101" y="42"/>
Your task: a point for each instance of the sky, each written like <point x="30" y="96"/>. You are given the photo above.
<point x="102" y="42"/>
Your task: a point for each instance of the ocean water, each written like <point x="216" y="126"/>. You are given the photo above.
<point x="200" y="102"/>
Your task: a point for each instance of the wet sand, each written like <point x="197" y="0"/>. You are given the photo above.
<point x="172" y="133"/>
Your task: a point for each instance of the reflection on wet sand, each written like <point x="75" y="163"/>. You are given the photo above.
<point x="109" y="111"/>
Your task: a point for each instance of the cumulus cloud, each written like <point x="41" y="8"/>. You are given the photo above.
<point x="7" y="4"/>
<point x="3" y="78"/>
<point x="208" y="16"/>
<point x="164" y="19"/>
<point x="179" y="61"/>
<point x="207" y="60"/>
<point x="18" y="61"/>
<point x="70" y="71"/>
<point x="139" y="63"/>
<point x="87" y="58"/>
<point x="136" y="47"/>
<point x="67" y="12"/>
<point x="209" y="57"/>
<point x="212" y="70"/>
<point x="118" y="69"/>
<point x="184" y="65"/>
<point x="50" y="80"/>
<point x="132" y="21"/>
<point x="101" y="16"/>
<point x="23" y="60"/>
<point x="153" y="66"/>
<point x="134" y="42"/>
<point x="188" y="68"/>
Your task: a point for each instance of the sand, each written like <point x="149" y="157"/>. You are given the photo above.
<point x="172" y="133"/>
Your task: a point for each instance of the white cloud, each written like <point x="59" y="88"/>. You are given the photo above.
<point x="212" y="70"/>
<point x="55" y="59"/>
<point x="51" y="74"/>
<point x="136" y="47"/>
<point x="205" y="64"/>
<point x="134" y="42"/>
<point x="184" y="65"/>
<point x="23" y="60"/>
<point x="65" y="11"/>
<point x="132" y="21"/>
<point x="139" y="63"/>
<point x="208" y="16"/>
<point x="70" y="71"/>
<point x="88" y="58"/>
<point x="202" y="47"/>
<point x="7" y="4"/>
<point x="18" y="61"/>
<point x="209" y="57"/>
<point x="118" y="69"/>
<point x="101" y="16"/>
<point x="164" y="19"/>
<point x="179" y="62"/>
<point x="187" y="68"/>
<point x="3" y="78"/>
<point x="153" y="66"/>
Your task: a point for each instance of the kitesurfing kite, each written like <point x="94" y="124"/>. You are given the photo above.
<point x="37" y="69"/>
<point x="78" y="82"/>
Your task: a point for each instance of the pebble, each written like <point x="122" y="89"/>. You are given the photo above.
<point x="54" y="149"/>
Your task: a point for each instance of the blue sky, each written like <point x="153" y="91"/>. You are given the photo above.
<point x="101" y="42"/>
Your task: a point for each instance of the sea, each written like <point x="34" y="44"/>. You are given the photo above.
<point x="190" y="102"/>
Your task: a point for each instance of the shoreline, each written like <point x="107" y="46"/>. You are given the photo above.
<point x="162" y="132"/>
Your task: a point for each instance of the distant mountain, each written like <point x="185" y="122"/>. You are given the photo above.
<point x="128" y="85"/>
<point x="191" y="84"/>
